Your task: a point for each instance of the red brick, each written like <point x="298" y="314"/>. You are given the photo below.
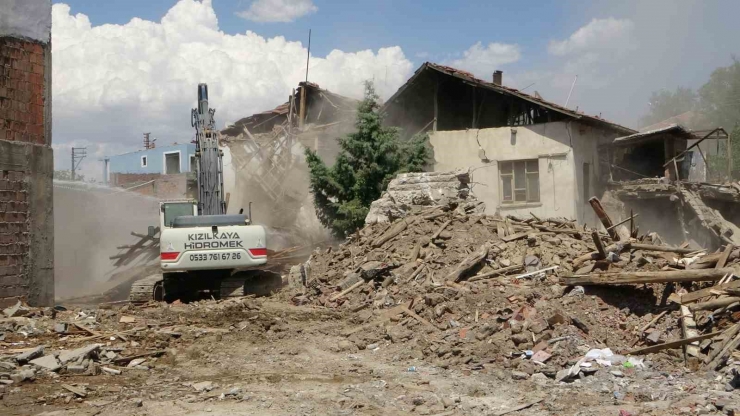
<point x="36" y="79"/>
<point x="37" y="69"/>
<point x="37" y="49"/>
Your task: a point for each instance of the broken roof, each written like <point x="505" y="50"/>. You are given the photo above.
<point x="282" y="110"/>
<point x="469" y="78"/>
<point x="675" y="130"/>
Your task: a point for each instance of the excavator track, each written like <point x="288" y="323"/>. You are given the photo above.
<point x="147" y="289"/>
<point x="251" y="282"/>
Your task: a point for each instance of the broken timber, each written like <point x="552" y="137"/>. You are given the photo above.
<point x="617" y="278"/>
<point x="671" y="344"/>
<point x="467" y="264"/>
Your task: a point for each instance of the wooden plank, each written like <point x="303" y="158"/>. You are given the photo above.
<point x="421" y="320"/>
<point x="632" y="217"/>
<point x="714" y="304"/>
<point x="725" y="255"/>
<point x="498" y="272"/>
<point x="728" y="336"/>
<point x="688" y="327"/>
<point x="703" y="293"/>
<point x="347" y="290"/>
<point x="671" y="344"/>
<point x="394" y="231"/>
<point x="724" y="353"/>
<point x="467" y="264"/>
<point x="441" y="228"/>
<point x="518" y="408"/>
<point x="517" y="236"/>
<point x="652" y="322"/>
<point x="667" y="249"/>
<point x="599" y="245"/>
<point x="618" y="278"/>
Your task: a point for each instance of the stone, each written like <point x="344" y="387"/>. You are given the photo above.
<point x="111" y="371"/>
<point x="521" y="338"/>
<point x="519" y="375"/>
<point x="23" y="375"/>
<point x="617" y="373"/>
<point x="203" y="386"/>
<point x="48" y="362"/>
<point x="60" y="327"/>
<point x="7" y="366"/>
<point x="136" y="362"/>
<point x="16" y="310"/>
<point x="346" y="345"/>
<point x="137" y="402"/>
<point x="654" y="337"/>
<point x="539" y="379"/>
<point x="77" y="369"/>
<point x="29" y="355"/>
<point x="447" y="402"/>
<point x="76" y="354"/>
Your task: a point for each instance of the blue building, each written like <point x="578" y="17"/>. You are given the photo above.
<point x="165" y="160"/>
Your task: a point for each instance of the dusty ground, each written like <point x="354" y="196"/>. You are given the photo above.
<point x="269" y="358"/>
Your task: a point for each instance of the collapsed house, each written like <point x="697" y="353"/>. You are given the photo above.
<point x="526" y="154"/>
<point x="266" y="152"/>
<point x="662" y="174"/>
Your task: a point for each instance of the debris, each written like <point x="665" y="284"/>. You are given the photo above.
<point x="467" y="264"/>
<point x="76" y="390"/>
<point x="48" y="362"/>
<point x="125" y="319"/>
<point x="519" y="407"/>
<point x="203" y="386"/>
<point x="16" y="310"/>
<point x="612" y="278"/>
<point x="74" y="355"/>
<point x="671" y="344"/>
<point x="111" y="371"/>
<point x="29" y="355"/>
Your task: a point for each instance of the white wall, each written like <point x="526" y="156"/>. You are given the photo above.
<point x="561" y="149"/>
<point x="26" y="18"/>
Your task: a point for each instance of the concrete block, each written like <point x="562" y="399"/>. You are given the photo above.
<point x="73" y="355"/>
<point x="48" y="362"/>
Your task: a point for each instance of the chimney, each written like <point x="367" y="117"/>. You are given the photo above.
<point x="498" y="77"/>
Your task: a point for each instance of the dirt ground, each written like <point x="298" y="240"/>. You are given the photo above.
<point x="266" y="357"/>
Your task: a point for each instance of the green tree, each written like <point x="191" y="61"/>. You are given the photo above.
<point x="719" y="100"/>
<point x="666" y="104"/>
<point x="368" y="160"/>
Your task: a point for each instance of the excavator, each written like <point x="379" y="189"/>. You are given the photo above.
<point x="203" y="250"/>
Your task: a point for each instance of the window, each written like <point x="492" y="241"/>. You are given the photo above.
<point x="192" y="164"/>
<point x="172" y="163"/>
<point x="520" y="181"/>
<point x="174" y="210"/>
<point x="143" y="161"/>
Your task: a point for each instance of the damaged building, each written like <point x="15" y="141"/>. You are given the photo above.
<point x="526" y="154"/>
<point x="26" y="156"/>
<point x="662" y="174"/>
<point x="265" y="152"/>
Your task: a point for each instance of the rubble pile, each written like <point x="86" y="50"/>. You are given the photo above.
<point x="60" y="345"/>
<point x="412" y="190"/>
<point x="461" y="289"/>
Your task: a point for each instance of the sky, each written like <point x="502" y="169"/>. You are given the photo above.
<point x="125" y="67"/>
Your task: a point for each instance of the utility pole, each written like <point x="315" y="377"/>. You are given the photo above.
<point x="78" y="153"/>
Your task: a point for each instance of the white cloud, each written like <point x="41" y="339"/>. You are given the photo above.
<point x="597" y="35"/>
<point x="111" y="83"/>
<point x="278" y="10"/>
<point x="482" y="61"/>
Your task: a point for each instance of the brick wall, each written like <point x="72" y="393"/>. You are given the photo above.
<point x="164" y="186"/>
<point x="14" y="233"/>
<point x="22" y="75"/>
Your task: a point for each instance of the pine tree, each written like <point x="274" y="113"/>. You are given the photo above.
<point x="368" y="160"/>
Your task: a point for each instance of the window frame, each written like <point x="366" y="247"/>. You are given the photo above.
<point x="144" y="161"/>
<point x="512" y="178"/>
<point x="164" y="162"/>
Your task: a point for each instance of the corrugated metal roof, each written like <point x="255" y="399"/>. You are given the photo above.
<point x="467" y="76"/>
<point x="676" y="130"/>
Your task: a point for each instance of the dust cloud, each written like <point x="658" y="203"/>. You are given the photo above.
<point x="89" y="222"/>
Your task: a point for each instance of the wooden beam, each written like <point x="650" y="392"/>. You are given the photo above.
<point x="599" y="245"/>
<point x="666" y="249"/>
<point x="618" y="278"/>
<point x="725" y="255"/>
<point x="671" y="344"/>
<point x="703" y="293"/>
<point x="714" y="304"/>
<point x="471" y="261"/>
<point x="724" y="353"/>
<point x="728" y="336"/>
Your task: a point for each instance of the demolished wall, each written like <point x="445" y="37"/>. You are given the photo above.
<point x="412" y="190"/>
